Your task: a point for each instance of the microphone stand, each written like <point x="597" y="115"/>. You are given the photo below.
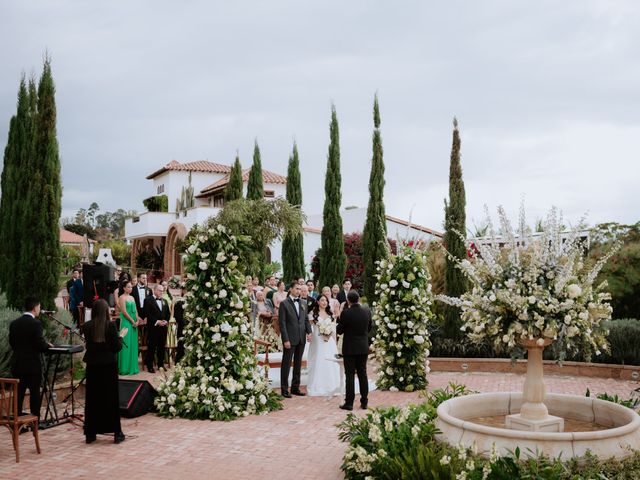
<point x="73" y="330"/>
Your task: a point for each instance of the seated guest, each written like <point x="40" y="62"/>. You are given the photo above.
<point x="261" y="310"/>
<point x="102" y="409"/>
<point x="280" y="295"/>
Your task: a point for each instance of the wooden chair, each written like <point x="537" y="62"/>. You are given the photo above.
<point x="261" y="362"/>
<point x="10" y="414"/>
<point x="80" y="316"/>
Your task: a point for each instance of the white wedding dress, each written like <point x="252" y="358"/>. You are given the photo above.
<point x="324" y="373"/>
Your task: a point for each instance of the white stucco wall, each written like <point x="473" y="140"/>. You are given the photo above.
<point x="174" y="181"/>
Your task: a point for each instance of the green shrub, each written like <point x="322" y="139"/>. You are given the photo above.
<point x="157" y="203"/>
<point x="120" y="251"/>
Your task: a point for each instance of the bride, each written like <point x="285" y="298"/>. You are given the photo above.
<point x="324" y="374"/>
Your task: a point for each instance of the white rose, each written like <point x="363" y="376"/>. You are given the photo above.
<point x="419" y="339"/>
<point x="191" y="249"/>
<point x="532" y="299"/>
<point x="405" y="284"/>
<point x="505" y="338"/>
<point x="203" y="265"/>
<point x="225" y="327"/>
<point x="220" y="257"/>
<point x="574" y="290"/>
<point x="415" y="291"/>
<point x="492" y="298"/>
<point x="393" y="283"/>
<point x="263" y="399"/>
<point x="222" y="293"/>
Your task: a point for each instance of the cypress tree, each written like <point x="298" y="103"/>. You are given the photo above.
<point x="293" y="244"/>
<point x="233" y="190"/>
<point x="333" y="260"/>
<point x="40" y="255"/>
<point x="454" y="225"/>
<point x="255" y="187"/>
<point x="374" y="236"/>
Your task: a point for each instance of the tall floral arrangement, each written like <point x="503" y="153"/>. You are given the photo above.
<point x="401" y="316"/>
<point x="532" y="287"/>
<point x="218" y="377"/>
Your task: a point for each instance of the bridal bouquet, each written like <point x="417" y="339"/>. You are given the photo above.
<point x="325" y="327"/>
<point x="526" y="287"/>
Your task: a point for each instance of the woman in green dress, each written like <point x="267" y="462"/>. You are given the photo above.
<point x="128" y="356"/>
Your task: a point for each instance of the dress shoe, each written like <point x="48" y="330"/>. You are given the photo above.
<point x="363" y="405"/>
<point x="298" y="393"/>
<point x="90" y="438"/>
<point x="151" y="370"/>
<point x="118" y="437"/>
<point x="346" y="407"/>
<point x="286" y="394"/>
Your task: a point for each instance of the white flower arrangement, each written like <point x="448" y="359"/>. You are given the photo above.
<point x="401" y="315"/>
<point x="526" y="287"/>
<point x="218" y="377"/>
<point x="325" y="326"/>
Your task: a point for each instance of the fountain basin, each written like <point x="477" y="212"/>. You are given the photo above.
<point x="619" y="432"/>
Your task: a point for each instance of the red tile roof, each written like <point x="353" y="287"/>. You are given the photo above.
<point x="69" y="237"/>
<point x="199" y="166"/>
<point x="414" y="226"/>
<point x="267" y="177"/>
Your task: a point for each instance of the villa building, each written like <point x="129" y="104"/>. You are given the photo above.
<point x="186" y="194"/>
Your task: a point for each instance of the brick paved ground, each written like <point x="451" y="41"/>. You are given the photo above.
<point x="298" y="442"/>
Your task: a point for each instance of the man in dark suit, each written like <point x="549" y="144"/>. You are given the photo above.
<point x="355" y="324"/>
<point x="342" y="294"/>
<point x="157" y="313"/>
<point x="295" y="330"/>
<point x="27" y="342"/>
<point x="140" y="292"/>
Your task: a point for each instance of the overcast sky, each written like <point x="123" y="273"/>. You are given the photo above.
<point x="547" y="94"/>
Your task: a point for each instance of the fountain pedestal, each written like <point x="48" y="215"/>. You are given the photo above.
<point x="534" y="416"/>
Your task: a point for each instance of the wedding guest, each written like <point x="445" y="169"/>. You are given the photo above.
<point x="334" y="291"/>
<point x="300" y="281"/>
<point x="75" y="274"/>
<point x="271" y="287"/>
<point x="342" y="294"/>
<point x="27" y="342"/>
<point x="178" y="314"/>
<point x="140" y="293"/>
<point x="76" y="298"/>
<point x="280" y="295"/>
<point x="102" y="409"/>
<point x="304" y="295"/>
<point x="122" y="281"/>
<point x="157" y="314"/>
<point x="312" y="289"/>
<point x="256" y="285"/>
<point x="261" y="311"/>
<point x="129" y="319"/>
<point x="333" y="303"/>
<point x="172" y="331"/>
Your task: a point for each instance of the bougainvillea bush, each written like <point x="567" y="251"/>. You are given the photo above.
<point x="218" y="377"/>
<point x="402" y="315"/>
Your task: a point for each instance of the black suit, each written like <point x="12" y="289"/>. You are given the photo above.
<point x="27" y="342"/>
<point x="341" y="297"/>
<point x="355" y="324"/>
<point x="156" y="334"/>
<point x="294" y="326"/>
<point x="135" y="293"/>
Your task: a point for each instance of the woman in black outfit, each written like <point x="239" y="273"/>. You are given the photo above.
<point x="101" y="413"/>
<point x="178" y="314"/>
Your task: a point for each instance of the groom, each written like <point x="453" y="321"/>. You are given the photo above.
<point x="355" y="324"/>
<point x="294" y="324"/>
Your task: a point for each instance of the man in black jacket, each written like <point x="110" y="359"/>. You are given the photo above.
<point x="346" y="288"/>
<point x="355" y="324"/>
<point x="295" y="331"/>
<point x="157" y="313"/>
<point x="27" y="342"/>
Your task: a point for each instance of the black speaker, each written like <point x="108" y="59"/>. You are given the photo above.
<point x="136" y="397"/>
<point x="96" y="279"/>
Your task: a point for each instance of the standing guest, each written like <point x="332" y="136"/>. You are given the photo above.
<point x="300" y="281"/>
<point x="140" y="293"/>
<point x="312" y="289"/>
<point x="342" y="294"/>
<point x="280" y="295"/>
<point x="172" y="334"/>
<point x="102" y="409"/>
<point x="112" y="286"/>
<point x="256" y="285"/>
<point x="76" y="297"/>
<point x="27" y="343"/>
<point x="157" y="314"/>
<point x="355" y="324"/>
<point x="295" y="330"/>
<point x="129" y="320"/>
<point x="304" y="294"/>
<point x="122" y="281"/>
<point x="75" y="274"/>
<point x="335" y="290"/>
<point x="270" y="287"/>
<point x="334" y="305"/>
<point x="178" y="314"/>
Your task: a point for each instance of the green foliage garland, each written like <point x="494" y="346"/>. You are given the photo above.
<point x="218" y="378"/>
<point x="401" y="316"/>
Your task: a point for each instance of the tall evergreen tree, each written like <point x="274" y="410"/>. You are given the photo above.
<point x="333" y="260"/>
<point x="374" y="236"/>
<point x="454" y="225"/>
<point x="40" y="255"/>
<point x="255" y="187"/>
<point x="293" y="243"/>
<point x="233" y="190"/>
